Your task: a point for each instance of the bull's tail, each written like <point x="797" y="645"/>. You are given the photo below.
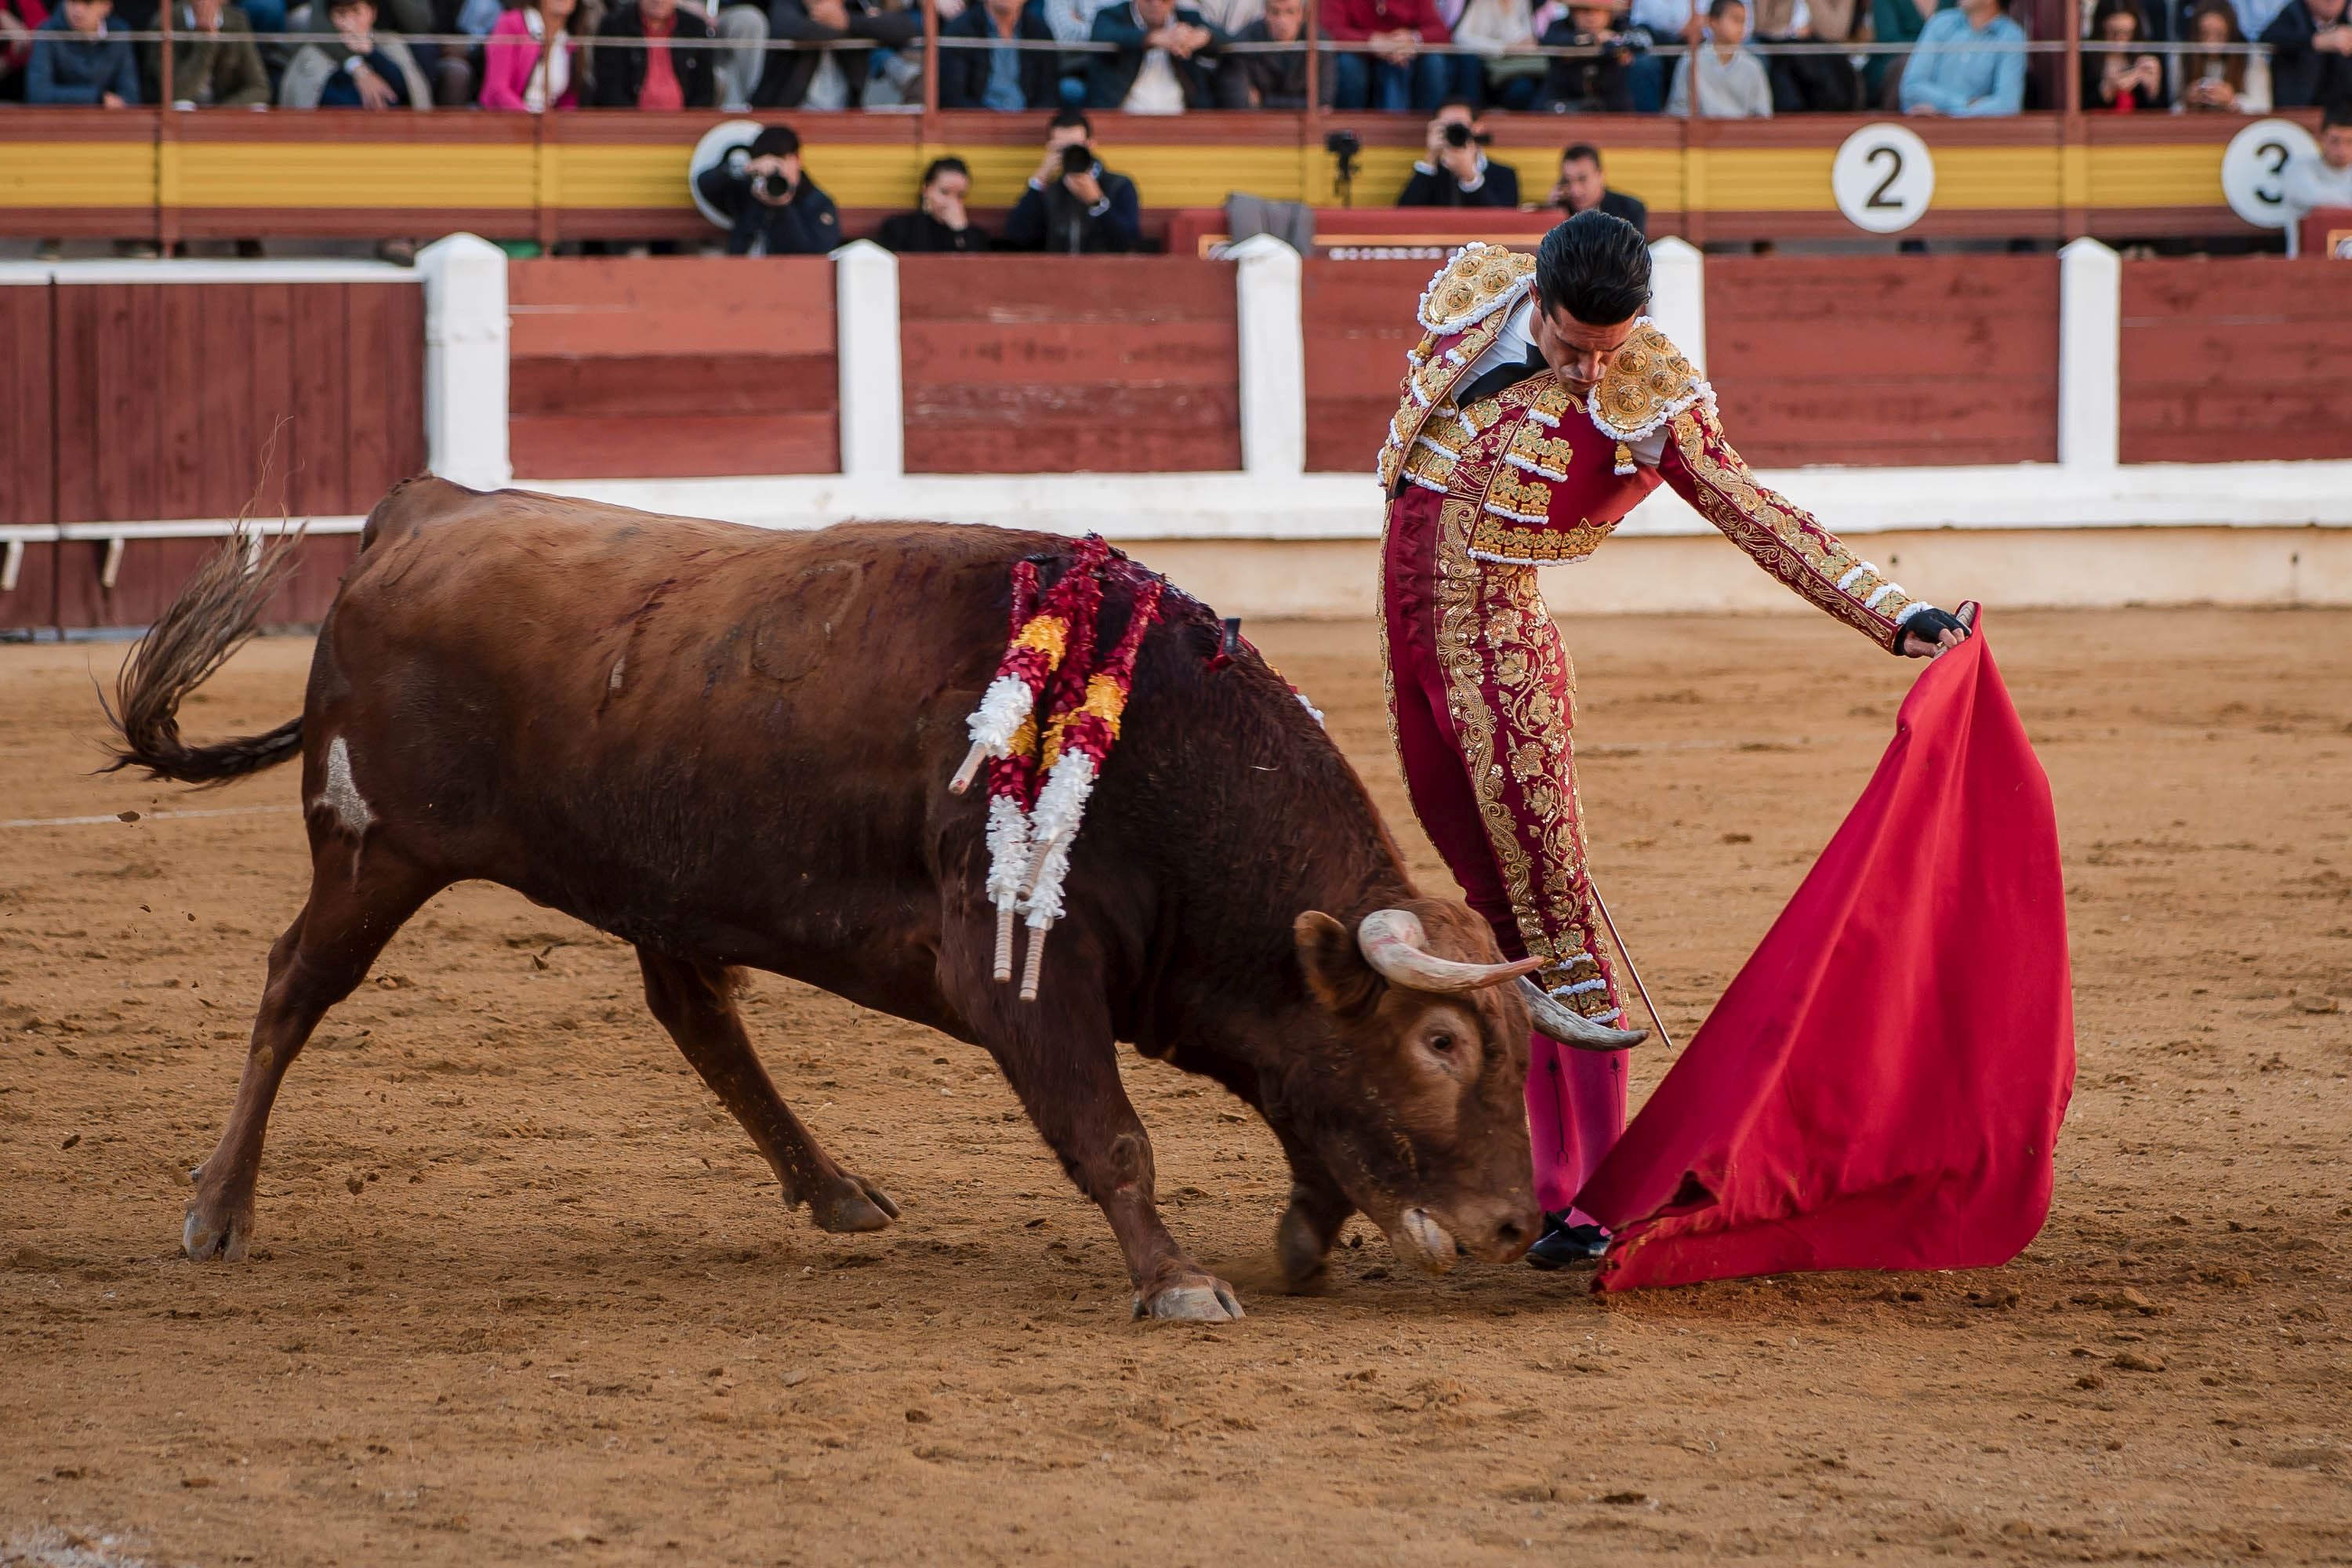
<point x="215" y="613"/>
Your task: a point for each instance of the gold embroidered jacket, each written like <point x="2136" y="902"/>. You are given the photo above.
<point x="1562" y="472"/>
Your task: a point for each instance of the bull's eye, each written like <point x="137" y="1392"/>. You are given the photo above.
<point x="1440" y="1043"/>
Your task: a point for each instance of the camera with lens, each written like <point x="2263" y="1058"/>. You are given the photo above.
<point x="1460" y="135"/>
<point x="770" y="187"/>
<point x="1344" y="145"/>
<point x="1077" y="159"/>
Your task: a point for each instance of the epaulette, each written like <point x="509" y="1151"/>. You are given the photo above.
<point x="1477" y="281"/>
<point x="1646" y="384"/>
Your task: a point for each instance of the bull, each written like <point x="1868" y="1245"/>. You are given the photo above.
<point x="732" y="748"/>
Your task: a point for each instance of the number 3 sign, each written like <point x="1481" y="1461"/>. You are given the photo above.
<point x="1883" y="178"/>
<point x="2250" y="168"/>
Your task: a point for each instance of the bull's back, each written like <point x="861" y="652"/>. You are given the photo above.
<point x="668" y="726"/>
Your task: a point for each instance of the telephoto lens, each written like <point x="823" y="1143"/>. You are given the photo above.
<point x="1457" y="135"/>
<point x="1077" y="160"/>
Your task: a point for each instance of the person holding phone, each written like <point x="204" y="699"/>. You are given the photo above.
<point x="774" y="207"/>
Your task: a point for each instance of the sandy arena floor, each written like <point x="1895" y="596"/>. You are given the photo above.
<point x="520" y="1294"/>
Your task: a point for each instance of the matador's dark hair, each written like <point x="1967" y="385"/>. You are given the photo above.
<point x="1596" y="266"/>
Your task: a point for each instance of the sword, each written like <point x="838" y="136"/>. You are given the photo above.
<point x="1631" y="968"/>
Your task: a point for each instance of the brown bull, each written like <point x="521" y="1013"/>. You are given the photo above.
<point x="733" y="747"/>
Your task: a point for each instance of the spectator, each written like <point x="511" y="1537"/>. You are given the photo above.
<point x="773" y="208"/>
<point x="1665" y="22"/>
<point x="19" y="20"/>
<point x="1895" y="22"/>
<point x="527" y="64"/>
<point x="1395" y="70"/>
<point x="1004" y="78"/>
<point x="938" y="222"/>
<point x="1603" y="83"/>
<point x="2311" y="54"/>
<point x="363" y="69"/>
<point x="76" y="58"/>
<point x="1807" y="82"/>
<point x="2229" y="83"/>
<point x="1166" y="61"/>
<point x="215" y="63"/>
<point x="1073" y="203"/>
<point x="735" y="76"/>
<point x="828" y="78"/>
<point x="1452" y="171"/>
<point x="1582" y="187"/>
<point x="2115" y="79"/>
<point x="1502" y="35"/>
<point x="637" y="66"/>
<point x="1274" y="79"/>
<point x="1970" y="62"/>
<point x="1720" y="80"/>
<point x="2310" y="184"/>
<point x="2254" y="17"/>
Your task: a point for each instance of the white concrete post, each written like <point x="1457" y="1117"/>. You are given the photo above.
<point x="1678" y="297"/>
<point x="872" y="391"/>
<point x="2090" y="355"/>
<point x="1268" y="305"/>
<point x="466" y="361"/>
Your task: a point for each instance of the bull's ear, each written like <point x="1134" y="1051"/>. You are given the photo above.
<point x="1335" y="966"/>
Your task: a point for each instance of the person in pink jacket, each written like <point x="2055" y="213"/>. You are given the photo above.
<point x="521" y="69"/>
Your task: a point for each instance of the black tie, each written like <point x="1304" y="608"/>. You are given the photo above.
<point x="1501" y="376"/>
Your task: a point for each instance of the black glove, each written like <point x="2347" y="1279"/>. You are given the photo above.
<point x="1929" y="624"/>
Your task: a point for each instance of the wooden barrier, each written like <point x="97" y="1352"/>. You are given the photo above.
<point x="1358" y="319"/>
<point x="665" y="367"/>
<point x="1099" y="365"/>
<point x="2236" y="361"/>
<point x="1901" y="361"/>
<point x="27" y="427"/>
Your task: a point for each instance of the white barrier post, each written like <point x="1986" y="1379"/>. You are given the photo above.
<point x="466" y="361"/>
<point x="1678" y="297"/>
<point x="1268" y="299"/>
<point x="2090" y="355"/>
<point x="873" y="394"/>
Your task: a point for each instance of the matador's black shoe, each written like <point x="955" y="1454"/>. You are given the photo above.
<point x="1564" y="1245"/>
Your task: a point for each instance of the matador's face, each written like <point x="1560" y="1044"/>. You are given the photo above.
<point x="1578" y="350"/>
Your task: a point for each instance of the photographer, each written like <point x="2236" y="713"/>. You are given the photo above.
<point x="1580" y="186"/>
<point x="938" y="222"/>
<point x="1454" y="172"/>
<point x="775" y="208"/>
<point x="1074" y="205"/>
<point x="1600" y="83"/>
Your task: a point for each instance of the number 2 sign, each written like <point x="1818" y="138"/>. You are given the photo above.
<point x="1883" y="178"/>
<point x="2257" y="156"/>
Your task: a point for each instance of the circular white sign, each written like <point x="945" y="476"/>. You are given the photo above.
<point x="709" y="154"/>
<point x="2250" y="168"/>
<point x="1883" y="178"/>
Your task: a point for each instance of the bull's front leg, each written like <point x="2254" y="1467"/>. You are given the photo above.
<point x="1073" y="1094"/>
<point x="1310" y="1227"/>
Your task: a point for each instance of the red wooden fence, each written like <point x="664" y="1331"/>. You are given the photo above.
<point x="1102" y="364"/>
<point x="663" y="367"/>
<point x="1915" y="361"/>
<point x="2233" y="361"/>
<point x="1358" y="320"/>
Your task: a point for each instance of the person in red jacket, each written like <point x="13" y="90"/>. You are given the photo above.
<point x="1396" y="70"/>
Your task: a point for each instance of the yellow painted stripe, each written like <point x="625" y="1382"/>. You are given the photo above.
<point x="1765" y="179"/>
<point x="2157" y="177"/>
<point x="356" y="175"/>
<point x="78" y="175"/>
<point x="1981" y="179"/>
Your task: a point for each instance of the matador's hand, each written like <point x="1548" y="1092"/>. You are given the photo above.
<point x="1930" y="632"/>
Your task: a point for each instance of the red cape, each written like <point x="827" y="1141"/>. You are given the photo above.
<point x="1882" y="1086"/>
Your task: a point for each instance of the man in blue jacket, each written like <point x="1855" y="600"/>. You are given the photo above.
<point x="1165" y="60"/>
<point x="1074" y="205"/>
<point x="76" y="58"/>
<point x="1006" y="78"/>
<point x="1970" y="62"/>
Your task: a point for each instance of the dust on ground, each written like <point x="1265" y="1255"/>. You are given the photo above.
<point x="523" y="1292"/>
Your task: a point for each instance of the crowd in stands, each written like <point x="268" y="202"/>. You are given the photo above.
<point x="1963" y="57"/>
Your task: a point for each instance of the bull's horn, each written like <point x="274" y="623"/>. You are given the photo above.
<point x="1393" y="942"/>
<point x="1571" y="1028"/>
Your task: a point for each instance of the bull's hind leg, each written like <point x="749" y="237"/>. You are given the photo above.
<point x="350" y="913"/>
<point x="695" y="1005"/>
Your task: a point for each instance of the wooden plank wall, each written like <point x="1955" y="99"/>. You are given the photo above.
<point x="1070" y="364"/>
<point x="2237" y="361"/>
<point x="1358" y="317"/>
<point x="1905" y="361"/>
<point x="207" y="399"/>
<point x="669" y="367"/>
<point x="27" y="426"/>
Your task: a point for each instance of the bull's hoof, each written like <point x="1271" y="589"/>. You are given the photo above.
<point x="852" y="1205"/>
<point x="1303" y="1247"/>
<point x="217" y="1229"/>
<point x="1208" y="1300"/>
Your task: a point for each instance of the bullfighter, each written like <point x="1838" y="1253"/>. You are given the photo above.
<point x="1540" y="405"/>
